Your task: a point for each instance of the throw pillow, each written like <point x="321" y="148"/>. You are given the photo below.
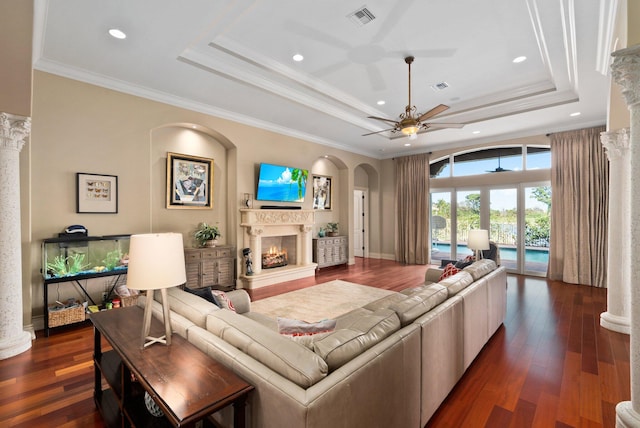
<point x="303" y="328"/>
<point x="205" y="293"/>
<point x="449" y="270"/>
<point x="221" y="299"/>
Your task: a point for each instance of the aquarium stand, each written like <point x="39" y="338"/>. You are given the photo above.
<point x="90" y="254"/>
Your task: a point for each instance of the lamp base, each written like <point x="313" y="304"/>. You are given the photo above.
<point x="148" y="340"/>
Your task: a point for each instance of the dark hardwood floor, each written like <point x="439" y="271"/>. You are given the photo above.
<point x="550" y="365"/>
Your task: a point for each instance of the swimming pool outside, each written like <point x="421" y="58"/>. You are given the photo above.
<point x="536" y="259"/>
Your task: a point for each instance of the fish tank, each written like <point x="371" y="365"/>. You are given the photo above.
<point x="73" y="258"/>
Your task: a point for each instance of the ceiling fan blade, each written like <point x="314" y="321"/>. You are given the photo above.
<point x="444" y="125"/>
<point x="378" y="132"/>
<point x="382" y="118"/>
<point x="375" y="77"/>
<point x="434" y="111"/>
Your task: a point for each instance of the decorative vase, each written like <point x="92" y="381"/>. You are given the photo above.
<point x="211" y="243"/>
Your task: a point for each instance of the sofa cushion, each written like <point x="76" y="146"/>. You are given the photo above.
<point x="282" y="355"/>
<point x="189" y="305"/>
<point x="419" y="302"/>
<point x="457" y="282"/>
<point x="385" y="302"/>
<point x="344" y="344"/>
<point x="481" y="268"/>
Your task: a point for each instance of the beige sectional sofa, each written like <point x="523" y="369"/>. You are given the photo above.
<point x="390" y="363"/>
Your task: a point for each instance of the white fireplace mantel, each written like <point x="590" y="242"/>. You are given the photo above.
<point x="260" y="224"/>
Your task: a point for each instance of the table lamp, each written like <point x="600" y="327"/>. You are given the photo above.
<point x="156" y="262"/>
<point x="478" y="240"/>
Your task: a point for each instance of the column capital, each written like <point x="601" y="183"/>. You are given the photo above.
<point x="255" y="231"/>
<point x="13" y="131"/>
<point x="616" y="143"/>
<point x="625" y="70"/>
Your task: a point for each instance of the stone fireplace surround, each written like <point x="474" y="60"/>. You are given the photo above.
<point x="266" y="223"/>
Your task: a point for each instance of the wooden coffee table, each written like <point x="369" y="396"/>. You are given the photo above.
<point x="187" y="384"/>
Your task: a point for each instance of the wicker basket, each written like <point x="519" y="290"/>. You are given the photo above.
<point x="126" y="301"/>
<point x="66" y="316"/>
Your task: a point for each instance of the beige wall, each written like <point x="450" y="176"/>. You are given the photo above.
<point x="79" y="127"/>
<point x="15" y="72"/>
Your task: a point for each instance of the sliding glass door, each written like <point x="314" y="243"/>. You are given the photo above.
<point x="503" y="218"/>
<point x="537" y="219"/>
<point x="517" y="219"/>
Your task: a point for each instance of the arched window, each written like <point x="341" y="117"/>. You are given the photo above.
<point x="487" y="161"/>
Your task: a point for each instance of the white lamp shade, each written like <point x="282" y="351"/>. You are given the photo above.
<point x="478" y="239"/>
<point x="156" y="261"/>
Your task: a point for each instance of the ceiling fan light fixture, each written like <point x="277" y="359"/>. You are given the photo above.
<point x="410" y="130"/>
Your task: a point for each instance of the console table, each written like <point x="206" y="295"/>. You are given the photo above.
<point x="211" y="267"/>
<point x="331" y="251"/>
<point x="185" y="383"/>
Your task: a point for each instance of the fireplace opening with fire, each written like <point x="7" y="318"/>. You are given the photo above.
<point x="274" y="257"/>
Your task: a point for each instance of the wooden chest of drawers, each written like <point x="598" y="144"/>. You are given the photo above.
<point x="211" y="267"/>
<point x="330" y="251"/>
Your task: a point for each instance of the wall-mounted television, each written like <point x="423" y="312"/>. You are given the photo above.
<point x="278" y="183"/>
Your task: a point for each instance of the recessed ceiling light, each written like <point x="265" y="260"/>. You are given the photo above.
<point x="298" y="57"/>
<point x="475" y="132"/>
<point x="575" y="114"/>
<point x="519" y="59"/>
<point x="381" y="102"/>
<point x="407" y="144"/>
<point x="117" y="33"/>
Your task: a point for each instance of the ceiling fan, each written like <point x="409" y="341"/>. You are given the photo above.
<point x="411" y="122"/>
<point x="499" y="168"/>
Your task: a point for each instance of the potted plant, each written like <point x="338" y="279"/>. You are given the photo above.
<point x="206" y="235"/>
<point x="332" y="229"/>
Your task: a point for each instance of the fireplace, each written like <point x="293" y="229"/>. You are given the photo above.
<point x="274" y="257"/>
<point x="280" y="242"/>
<point x="278" y="251"/>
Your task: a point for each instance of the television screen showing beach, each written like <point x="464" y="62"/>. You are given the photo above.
<point x="281" y="183"/>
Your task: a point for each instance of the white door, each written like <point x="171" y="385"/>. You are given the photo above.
<point x="359" y="217"/>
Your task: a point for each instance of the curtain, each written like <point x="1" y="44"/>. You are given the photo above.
<point x="579" y="207"/>
<point x="412" y="209"/>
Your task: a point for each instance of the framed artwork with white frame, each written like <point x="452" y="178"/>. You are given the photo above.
<point x="322" y="192"/>
<point x="96" y="193"/>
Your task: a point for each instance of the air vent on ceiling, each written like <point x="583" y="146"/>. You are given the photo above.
<point x="361" y="16"/>
<point x="440" y="86"/>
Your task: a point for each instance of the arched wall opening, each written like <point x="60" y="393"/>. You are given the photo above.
<point x="193" y="140"/>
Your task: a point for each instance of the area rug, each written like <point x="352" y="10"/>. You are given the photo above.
<point x="322" y="301"/>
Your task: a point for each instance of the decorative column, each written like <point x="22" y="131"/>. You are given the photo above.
<point x="626" y="72"/>
<point x="255" y="243"/>
<point x="616" y="318"/>
<point x="306" y="245"/>
<point x="13" y="339"/>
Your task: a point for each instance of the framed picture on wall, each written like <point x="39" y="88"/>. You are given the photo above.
<point x="96" y="193"/>
<point x="322" y="192"/>
<point x="189" y="181"/>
